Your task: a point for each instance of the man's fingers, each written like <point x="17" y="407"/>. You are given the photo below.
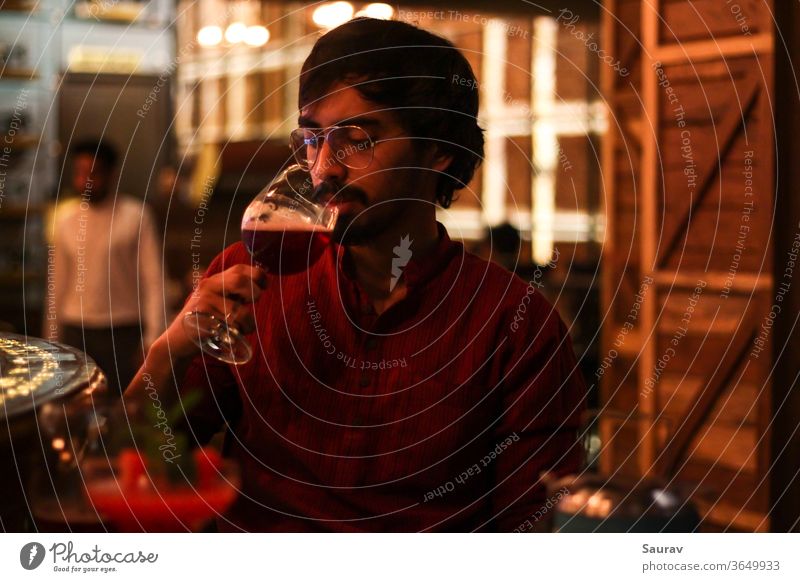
<point x="215" y="305"/>
<point x="246" y="321"/>
<point x="240" y="281"/>
<point x="231" y="304"/>
<point x="231" y="311"/>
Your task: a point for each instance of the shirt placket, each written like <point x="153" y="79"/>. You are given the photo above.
<point x="352" y="471"/>
<point x="367" y="344"/>
<point x="370" y="348"/>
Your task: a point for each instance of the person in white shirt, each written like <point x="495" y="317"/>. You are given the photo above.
<point x="108" y="272"/>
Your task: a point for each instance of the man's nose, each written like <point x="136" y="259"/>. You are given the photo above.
<point x="328" y="165"/>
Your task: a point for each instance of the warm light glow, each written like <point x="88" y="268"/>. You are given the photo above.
<point x="58" y="443"/>
<point x="545" y="139"/>
<point x="235" y="32"/>
<point x="332" y="14"/>
<point x="27" y="379"/>
<point x="493" y="93"/>
<point x="377" y="10"/>
<point x="209" y="36"/>
<point x="256" y="36"/>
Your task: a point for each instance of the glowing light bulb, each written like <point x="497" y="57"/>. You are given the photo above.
<point x="377" y="10"/>
<point x="332" y="14"/>
<point x="256" y="36"/>
<point x="209" y="36"/>
<point x="235" y="32"/>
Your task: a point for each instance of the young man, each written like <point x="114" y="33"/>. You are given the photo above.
<point x="107" y="282"/>
<point x="400" y="384"/>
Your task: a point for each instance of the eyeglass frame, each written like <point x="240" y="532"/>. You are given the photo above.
<point x="325" y="132"/>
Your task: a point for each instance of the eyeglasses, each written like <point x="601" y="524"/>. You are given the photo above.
<point x="350" y="145"/>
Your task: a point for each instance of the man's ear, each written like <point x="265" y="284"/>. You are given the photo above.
<point x="441" y="160"/>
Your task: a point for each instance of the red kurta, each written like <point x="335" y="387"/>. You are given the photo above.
<point x="437" y="415"/>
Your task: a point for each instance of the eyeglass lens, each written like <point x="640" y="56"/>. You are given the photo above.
<point x="349" y="145"/>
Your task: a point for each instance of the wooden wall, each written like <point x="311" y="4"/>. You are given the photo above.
<point x="691" y="288"/>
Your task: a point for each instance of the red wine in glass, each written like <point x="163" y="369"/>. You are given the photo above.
<point x="285" y="232"/>
<point x="286" y="249"/>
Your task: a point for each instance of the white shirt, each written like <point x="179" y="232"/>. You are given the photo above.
<point x="107" y="268"/>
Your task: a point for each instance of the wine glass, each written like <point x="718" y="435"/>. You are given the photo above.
<point x="285" y="232"/>
<point x="70" y="430"/>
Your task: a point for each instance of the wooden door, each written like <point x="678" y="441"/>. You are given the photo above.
<point x="691" y="290"/>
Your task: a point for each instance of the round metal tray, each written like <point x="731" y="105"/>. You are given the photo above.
<point x="34" y="371"/>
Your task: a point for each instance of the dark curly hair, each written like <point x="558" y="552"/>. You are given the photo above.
<point x="102" y="151"/>
<point x="422" y="77"/>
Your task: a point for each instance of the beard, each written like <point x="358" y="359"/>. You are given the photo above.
<point x="367" y="222"/>
<point x="353" y="228"/>
<point x="360" y="228"/>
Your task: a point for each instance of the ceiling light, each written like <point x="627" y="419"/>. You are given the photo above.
<point x="256" y="36"/>
<point x="332" y="14"/>
<point x="235" y="32"/>
<point x="209" y="36"/>
<point x="377" y="10"/>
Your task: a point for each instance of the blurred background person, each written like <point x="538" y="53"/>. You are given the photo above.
<point x="502" y="245"/>
<point x="108" y="273"/>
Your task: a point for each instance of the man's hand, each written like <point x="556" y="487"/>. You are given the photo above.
<point x="227" y="296"/>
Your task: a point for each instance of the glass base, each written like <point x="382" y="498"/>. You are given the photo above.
<point x="216" y="338"/>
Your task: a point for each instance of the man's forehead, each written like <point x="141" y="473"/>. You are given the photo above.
<point x="343" y="105"/>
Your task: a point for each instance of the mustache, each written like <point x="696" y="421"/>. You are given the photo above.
<point x="331" y="190"/>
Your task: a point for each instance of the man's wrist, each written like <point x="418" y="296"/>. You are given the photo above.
<point x="164" y="352"/>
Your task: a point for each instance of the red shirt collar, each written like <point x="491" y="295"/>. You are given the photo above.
<point x="417" y="272"/>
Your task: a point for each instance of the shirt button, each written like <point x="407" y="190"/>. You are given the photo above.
<point x="371" y="343"/>
<point x="364" y="380"/>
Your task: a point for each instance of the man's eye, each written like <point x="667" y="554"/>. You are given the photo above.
<point x="359" y="140"/>
<point x="355" y="134"/>
<point x="358" y="143"/>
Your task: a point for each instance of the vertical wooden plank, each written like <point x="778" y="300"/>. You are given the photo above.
<point x="766" y="145"/>
<point x="608" y="184"/>
<point x="648" y="406"/>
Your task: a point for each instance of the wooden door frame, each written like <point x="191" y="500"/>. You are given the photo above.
<point x="785" y="482"/>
